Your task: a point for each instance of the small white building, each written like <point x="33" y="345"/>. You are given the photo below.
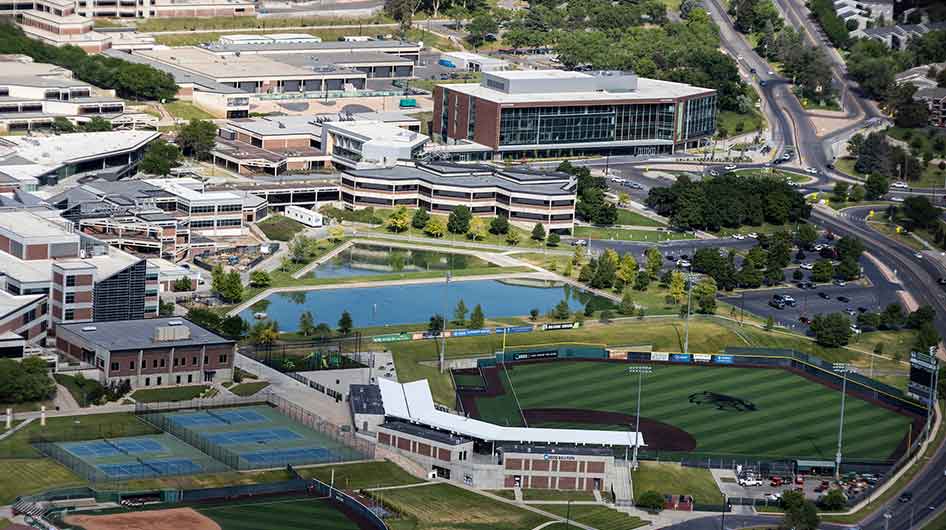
<point x="308" y="217"/>
<point x="368" y="144"/>
<point x="475" y="62"/>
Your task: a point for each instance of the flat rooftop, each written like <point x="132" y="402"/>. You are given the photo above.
<point x="28" y="69"/>
<point x="28" y="224"/>
<point x="139" y="334"/>
<point x="181" y="76"/>
<point x="277" y="125"/>
<point x="352" y="58"/>
<point x="647" y="90"/>
<point x="366" y="399"/>
<point x="10" y="302"/>
<point x="376" y="131"/>
<point x="55" y="151"/>
<point x="316" y="47"/>
<point x="471" y="179"/>
<point x="229" y="67"/>
<point x="15" y="78"/>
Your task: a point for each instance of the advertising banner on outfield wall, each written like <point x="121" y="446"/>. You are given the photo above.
<point x="394" y="337"/>
<point x="659" y="356"/>
<point x="723" y="359"/>
<point x="470" y="332"/>
<point x="680" y="357"/>
<point x="560" y="325"/>
<point x="514" y="329"/>
<point x="702" y="357"/>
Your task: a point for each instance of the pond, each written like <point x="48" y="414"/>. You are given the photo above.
<point x="412" y="304"/>
<point x="365" y="260"/>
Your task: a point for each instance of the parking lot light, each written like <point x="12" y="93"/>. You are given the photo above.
<point x="843" y="369"/>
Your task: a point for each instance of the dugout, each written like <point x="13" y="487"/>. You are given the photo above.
<point x="821" y="468"/>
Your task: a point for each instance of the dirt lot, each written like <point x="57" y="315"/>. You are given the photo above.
<point x="176" y="519"/>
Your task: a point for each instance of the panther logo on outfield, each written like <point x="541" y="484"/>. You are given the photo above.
<point x="722" y="401"/>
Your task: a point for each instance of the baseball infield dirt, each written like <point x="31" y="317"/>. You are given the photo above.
<point x="176" y="519"/>
<point x="657" y="434"/>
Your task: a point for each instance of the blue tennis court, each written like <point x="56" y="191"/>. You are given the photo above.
<point x="255" y="436"/>
<point x="149" y="468"/>
<point x="103" y="448"/>
<point x="282" y="457"/>
<point x="217" y="418"/>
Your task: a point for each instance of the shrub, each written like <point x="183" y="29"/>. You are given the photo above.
<point x="650" y="500"/>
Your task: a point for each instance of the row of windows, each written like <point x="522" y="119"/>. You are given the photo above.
<point x="159" y="363"/>
<point x="428" y="192"/>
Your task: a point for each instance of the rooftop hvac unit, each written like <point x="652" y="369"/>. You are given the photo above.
<point x="89" y="328"/>
<point x="171" y="333"/>
<point x="175" y="323"/>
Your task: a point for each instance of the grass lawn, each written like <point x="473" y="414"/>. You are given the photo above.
<point x="846" y="165"/>
<point x="937" y="523"/>
<point x="173" y="393"/>
<point x="186" y="111"/>
<point x="210" y="480"/>
<point x="730" y="121"/>
<point x="794" y="417"/>
<point x="820" y="104"/>
<point x="764" y="228"/>
<point x="506" y="494"/>
<point x="674" y="479"/>
<point x="632" y="218"/>
<point x="64" y="428"/>
<point x="280" y="227"/>
<point x="891" y="232"/>
<point x="530" y="494"/>
<point x="361" y="475"/>
<point x="291" y="514"/>
<point x="28" y="406"/>
<point x="32" y="475"/>
<point x="621" y="234"/>
<point x="599" y="517"/>
<point x="248" y="389"/>
<point x="446" y="507"/>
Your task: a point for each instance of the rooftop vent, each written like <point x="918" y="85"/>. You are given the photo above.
<point x="171" y="333"/>
<point x="89" y="328"/>
<point x="175" y="323"/>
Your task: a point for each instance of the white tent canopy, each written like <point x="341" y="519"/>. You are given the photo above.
<point x="413" y="402"/>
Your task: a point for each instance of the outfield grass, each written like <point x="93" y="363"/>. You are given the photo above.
<point x="597" y="516"/>
<point x="674" y="479"/>
<point x="291" y="514"/>
<point x="446" y="507"/>
<point x="32" y="475"/>
<point x="248" y="389"/>
<point x="624" y="234"/>
<point x="530" y="494"/>
<point x="361" y="475"/>
<point x="794" y="418"/>
<point x="280" y="227"/>
<point x="172" y="393"/>
<point x="632" y="218"/>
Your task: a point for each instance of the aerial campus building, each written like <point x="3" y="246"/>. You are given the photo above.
<point x="406" y="424"/>
<point x="556" y="113"/>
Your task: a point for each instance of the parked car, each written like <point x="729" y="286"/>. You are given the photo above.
<point x="683" y="263"/>
<point x="906" y="496"/>
<point x="753" y="235"/>
<point x="840" y="283"/>
<point x="579" y="242"/>
<point x="825" y="296"/>
<point x="811" y="171"/>
<point x="731" y="167"/>
<point x="900" y="184"/>
<point x="844" y="299"/>
<point x="740" y="237"/>
<point x="806" y="266"/>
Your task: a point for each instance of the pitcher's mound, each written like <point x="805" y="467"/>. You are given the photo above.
<point x="176" y="519"/>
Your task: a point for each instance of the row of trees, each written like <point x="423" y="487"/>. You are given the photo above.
<point x="807" y="66"/>
<point x="874" y="66"/>
<point x="195" y="139"/>
<point x="227" y="285"/>
<point x="129" y="80"/>
<point x="25" y="381"/>
<point x="834" y="329"/>
<point x="728" y="201"/>
<point x="591" y="205"/>
<point x="874" y="155"/>
<point x="462" y="222"/>
<point x="834" y="26"/>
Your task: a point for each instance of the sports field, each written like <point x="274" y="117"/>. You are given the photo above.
<point x="768" y="413"/>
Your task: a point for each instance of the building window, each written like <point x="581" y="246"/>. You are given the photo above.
<point x="190" y="378"/>
<point x="206" y="359"/>
<point x="159" y="381"/>
<point x="114" y="367"/>
<point x="223" y="359"/>
<point x="162" y="363"/>
<point x="175" y="361"/>
<point x="131" y="365"/>
<point x="70" y="298"/>
<point x="154" y="363"/>
<point x="69" y="315"/>
<point x="194" y="360"/>
<point x="147" y="381"/>
<point x="70" y="281"/>
<point x="177" y="380"/>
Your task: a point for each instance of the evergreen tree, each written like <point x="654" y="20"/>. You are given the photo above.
<point x="420" y="218"/>
<point x="477" y="318"/>
<point x="459" y="314"/>
<point x="345" y="323"/>
<point x="538" y="232"/>
<point x="627" y="304"/>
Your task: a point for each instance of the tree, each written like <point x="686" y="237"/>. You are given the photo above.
<point x="561" y="311"/>
<point x="399" y="220"/>
<point x="892" y="316"/>
<point x="420" y="218"/>
<point x="499" y="225"/>
<point x="159" y="158"/>
<point x="623" y="197"/>
<point x="477" y="230"/>
<point x="605" y="270"/>
<point x="63" y="125"/>
<point x="840" y="191"/>
<point x="345" y="323"/>
<point x="477" y="318"/>
<point x="538" y="232"/>
<point x="677" y="286"/>
<point x="402" y="11"/>
<point x="533" y="314"/>
<point x="336" y="233"/>
<point x="232" y="291"/>
<point x="435" y="227"/>
<point x="800" y="513"/>
<point x="831" y="330"/>
<point x="705" y="293"/>
<point x="459" y="220"/>
<point x="876" y="186"/>
<point x="96" y="124"/>
<point x="920" y="211"/>
<point x="182" y="285"/>
<point x="459" y="314"/>
<point x="806" y="236"/>
<point x="642" y="282"/>
<point x="911" y="115"/>
<point x="834" y="500"/>
<point x="436" y="324"/>
<point x="822" y="271"/>
<point x="197" y="138"/>
<point x="299" y="248"/>
<point x="854" y="145"/>
<point x="650" y="500"/>
<point x="264" y="333"/>
<point x="654" y="261"/>
<point x="553" y="240"/>
<point x="513" y="238"/>
<point x="626" y="306"/>
<point x="306" y="324"/>
<point x="257" y="279"/>
<point x="627" y="271"/>
<point x="482" y="27"/>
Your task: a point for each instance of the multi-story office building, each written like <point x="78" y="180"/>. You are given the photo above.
<point x="78" y="278"/>
<point x="525" y="197"/>
<point x="146" y="353"/>
<point x="551" y="113"/>
<point x="935" y="100"/>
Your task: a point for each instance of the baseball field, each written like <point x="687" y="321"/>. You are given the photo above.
<point x="725" y="411"/>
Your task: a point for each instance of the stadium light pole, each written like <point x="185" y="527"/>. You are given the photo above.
<point x="843" y="369"/>
<point x="443" y="328"/>
<point x="686" y="325"/>
<point x="640" y="371"/>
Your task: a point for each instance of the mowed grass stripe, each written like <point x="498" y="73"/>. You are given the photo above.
<point x="298" y="514"/>
<point x="795" y="416"/>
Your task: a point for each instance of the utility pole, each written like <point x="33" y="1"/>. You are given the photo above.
<point x="843" y="369"/>
<point x="722" y="520"/>
<point x="640" y="370"/>
<point x="686" y="325"/>
<point x="443" y="328"/>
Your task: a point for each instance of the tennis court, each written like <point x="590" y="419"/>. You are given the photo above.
<point x="134" y="458"/>
<point x="260" y="436"/>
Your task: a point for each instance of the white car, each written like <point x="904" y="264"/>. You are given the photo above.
<point x="749" y="482"/>
<point x="811" y="171"/>
<point x="900" y="184"/>
<point x="806" y="266"/>
<point x="918" y="255"/>
<point x="818" y="247"/>
<point x="773" y="497"/>
<point x="771" y="72"/>
<point x="739" y="237"/>
<point x="753" y="235"/>
<point x="683" y="263"/>
<point x="731" y="167"/>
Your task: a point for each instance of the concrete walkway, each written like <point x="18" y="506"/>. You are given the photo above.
<point x="322" y="259"/>
<point x="64" y="400"/>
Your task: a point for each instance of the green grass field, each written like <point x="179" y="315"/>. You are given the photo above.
<point x="446" y="507"/>
<point x="173" y="393"/>
<point x="32" y="475"/>
<point x="280" y="227"/>
<point x="628" y="234"/>
<point x="292" y="514"/>
<point x="248" y="389"/>
<point x="674" y="479"/>
<point x="361" y="475"/>
<point x="794" y="417"/>
<point x="599" y="517"/>
<point x="632" y="218"/>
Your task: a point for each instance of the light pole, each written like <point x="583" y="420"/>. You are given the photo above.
<point x="843" y="369"/>
<point x="640" y="371"/>
<point x="686" y="324"/>
<point x="887" y="516"/>
<point x="443" y="328"/>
